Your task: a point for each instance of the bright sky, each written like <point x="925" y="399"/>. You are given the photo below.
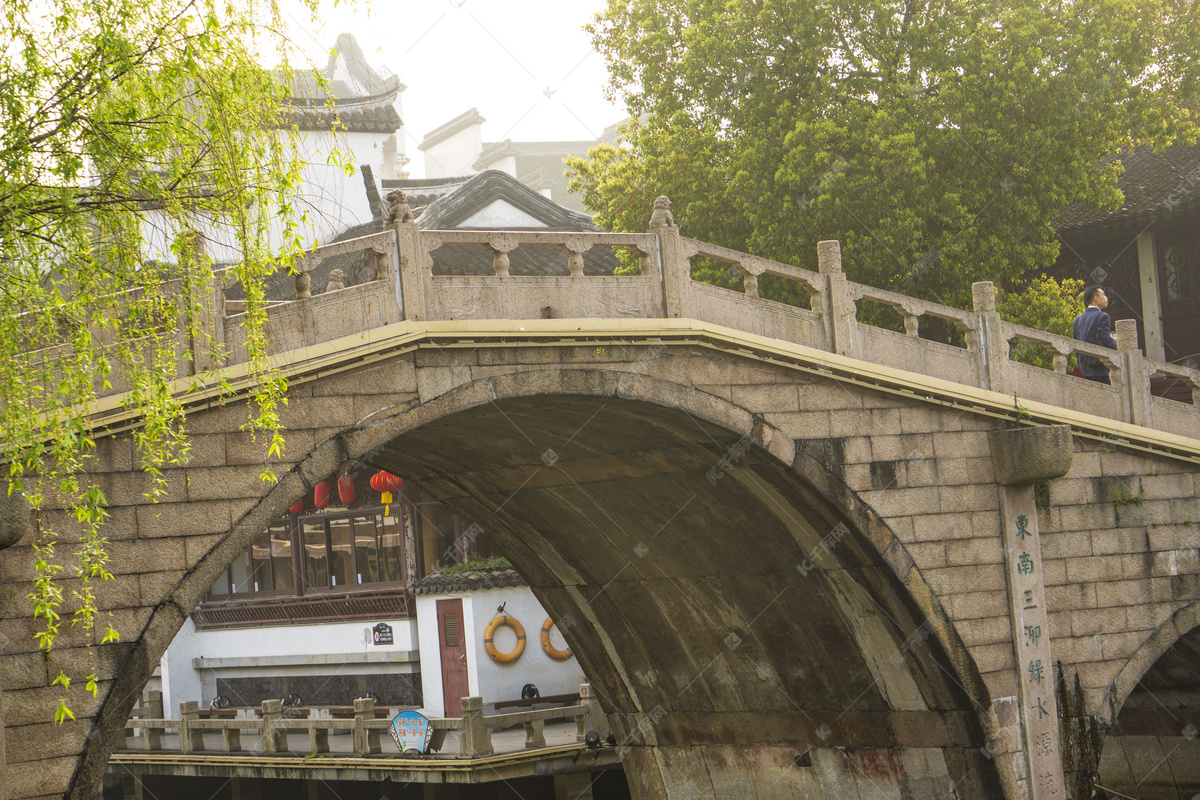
<point x="527" y="65"/>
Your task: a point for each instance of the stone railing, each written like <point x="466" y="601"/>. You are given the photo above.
<point x="837" y="320"/>
<point x="270" y="725"/>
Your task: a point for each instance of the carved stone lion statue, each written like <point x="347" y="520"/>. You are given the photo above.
<point x="398" y="210"/>
<point x="337" y="280"/>
<point x="662" y="213"/>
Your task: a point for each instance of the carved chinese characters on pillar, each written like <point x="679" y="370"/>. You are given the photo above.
<point x="1031" y="639"/>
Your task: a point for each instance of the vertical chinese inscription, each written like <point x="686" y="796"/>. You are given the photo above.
<point x="1031" y="643"/>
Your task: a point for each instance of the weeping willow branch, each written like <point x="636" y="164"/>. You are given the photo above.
<point x="127" y="125"/>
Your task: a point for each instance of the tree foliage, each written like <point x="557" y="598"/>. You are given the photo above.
<point x="935" y="138"/>
<point x="1045" y="305"/>
<point x="128" y="125"/>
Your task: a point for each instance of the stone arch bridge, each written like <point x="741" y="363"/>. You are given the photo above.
<point x="807" y="556"/>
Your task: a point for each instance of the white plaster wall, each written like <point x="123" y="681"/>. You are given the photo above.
<point x="455" y="155"/>
<point x="332" y="200"/>
<point x="182" y="681"/>
<point x="504" y="164"/>
<point x="179" y="681"/>
<point x="486" y="678"/>
<point x="501" y="214"/>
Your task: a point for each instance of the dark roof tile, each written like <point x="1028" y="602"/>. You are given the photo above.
<point x="475" y="581"/>
<point x="1157" y="186"/>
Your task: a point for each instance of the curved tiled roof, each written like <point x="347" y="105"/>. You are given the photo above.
<point x="474" y="581"/>
<point x="451" y="209"/>
<point x="361" y="115"/>
<point x="360" y="98"/>
<point x="1157" y="186"/>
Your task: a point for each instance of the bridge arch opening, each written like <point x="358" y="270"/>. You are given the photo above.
<point x="1152" y="748"/>
<point x="741" y="627"/>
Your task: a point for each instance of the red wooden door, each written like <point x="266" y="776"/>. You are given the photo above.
<point x="454" y="656"/>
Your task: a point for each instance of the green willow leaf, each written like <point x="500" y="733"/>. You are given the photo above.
<point x="135" y="131"/>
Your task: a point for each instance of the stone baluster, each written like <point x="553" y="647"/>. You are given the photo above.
<point x="912" y="324"/>
<point x="575" y="247"/>
<point x="500" y="246"/>
<point x="231" y="739"/>
<point x="366" y="740"/>
<point x="750" y="284"/>
<point x="647" y="259"/>
<point x="152" y="739"/>
<point x="840" y="312"/>
<point x="274" y="737"/>
<point x="992" y="352"/>
<point x="677" y="266"/>
<point x="1194" y="385"/>
<point x="476" y="736"/>
<point x="1061" y="359"/>
<point x="535" y="733"/>
<point x="302" y="277"/>
<point x="191" y="740"/>
<point x="1135" y="372"/>
<point x="318" y="738"/>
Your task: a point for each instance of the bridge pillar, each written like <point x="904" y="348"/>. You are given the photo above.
<point x="1135" y="372"/>
<point x="1020" y="458"/>
<point x="993" y="347"/>
<point x="840" y="310"/>
<point x="676" y="267"/>
<point x="413" y="273"/>
<point x="476" y="735"/>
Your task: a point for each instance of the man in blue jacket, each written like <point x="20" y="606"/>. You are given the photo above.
<point x="1094" y="327"/>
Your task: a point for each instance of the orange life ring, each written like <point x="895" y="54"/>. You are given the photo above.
<point x="551" y="650"/>
<point x="490" y="647"/>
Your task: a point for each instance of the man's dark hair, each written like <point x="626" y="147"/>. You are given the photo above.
<point x="1089" y="293"/>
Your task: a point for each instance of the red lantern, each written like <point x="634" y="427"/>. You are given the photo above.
<point x="346" y="489"/>
<point x="321" y="494"/>
<point x="385" y="483"/>
<point x="297" y="507"/>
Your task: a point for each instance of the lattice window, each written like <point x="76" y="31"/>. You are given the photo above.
<point x="1176" y="272"/>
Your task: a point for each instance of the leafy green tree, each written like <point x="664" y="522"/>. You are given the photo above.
<point x="125" y="123"/>
<point x="1046" y="305"/>
<point x="935" y="139"/>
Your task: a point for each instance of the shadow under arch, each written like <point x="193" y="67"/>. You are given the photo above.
<point x="1183" y="622"/>
<point x="692" y="613"/>
<point x="1151" y="747"/>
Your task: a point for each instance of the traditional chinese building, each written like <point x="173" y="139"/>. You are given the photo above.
<point x="457" y="148"/>
<point x="1147" y="252"/>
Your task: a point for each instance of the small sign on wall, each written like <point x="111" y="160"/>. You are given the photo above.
<point x="382" y="633"/>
